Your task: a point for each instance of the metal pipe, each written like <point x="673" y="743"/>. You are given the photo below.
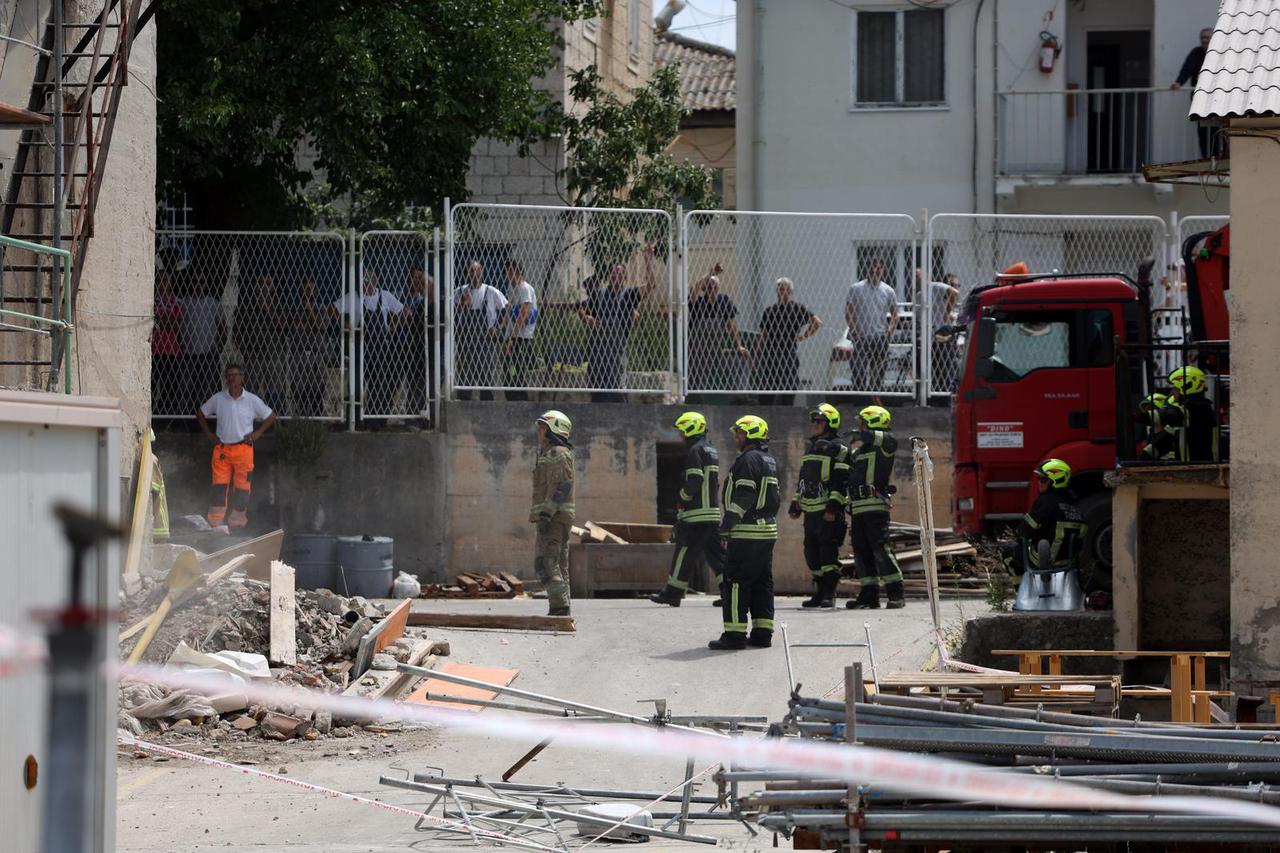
<point x="507" y="706"/>
<point x="1236" y="769"/>
<point x="548" y="700"/>
<point x="525" y="808"/>
<point x="557" y="790"/>
<point x="816" y="796"/>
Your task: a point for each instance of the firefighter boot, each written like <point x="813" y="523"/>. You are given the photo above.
<point x="728" y="642"/>
<point x="760" y="639"/>
<point x="868" y="599"/>
<point x="667" y="596"/>
<point x="897" y="598"/>
<point x="814" y="600"/>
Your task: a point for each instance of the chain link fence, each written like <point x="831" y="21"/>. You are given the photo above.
<point x="396" y="321"/>
<point x="781" y="304"/>
<point x="552" y="299"/>
<point x="968" y="250"/>
<point x="266" y="300"/>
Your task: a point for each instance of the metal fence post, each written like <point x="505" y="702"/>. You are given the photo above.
<point x="447" y="291"/>
<point x="924" y="310"/>
<point x="353" y="294"/>
<point x="682" y="309"/>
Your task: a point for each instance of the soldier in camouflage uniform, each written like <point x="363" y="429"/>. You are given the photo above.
<point x="552" y="508"/>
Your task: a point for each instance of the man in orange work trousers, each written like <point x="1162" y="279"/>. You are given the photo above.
<point x="235" y="410"/>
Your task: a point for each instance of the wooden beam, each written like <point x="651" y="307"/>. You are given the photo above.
<point x="138" y="524"/>
<point x="386" y="632"/>
<point x="599" y="534"/>
<point x="284" y="608"/>
<point x="264" y="549"/>
<point x="493" y="621"/>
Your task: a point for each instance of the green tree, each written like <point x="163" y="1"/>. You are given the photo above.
<point x="616" y="150"/>
<point x="391" y="94"/>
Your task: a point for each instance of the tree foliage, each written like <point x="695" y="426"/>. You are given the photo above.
<point x="616" y="150"/>
<point x="392" y="96"/>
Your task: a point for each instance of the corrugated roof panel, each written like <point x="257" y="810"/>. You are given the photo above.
<point x="1241" y="71"/>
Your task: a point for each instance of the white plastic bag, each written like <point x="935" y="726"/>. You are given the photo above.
<point x="406" y="586"/>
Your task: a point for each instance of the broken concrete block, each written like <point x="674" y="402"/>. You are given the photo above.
<point x="342" y="731"/>
<point x="383" y="662"/>
<point x="323" y="722"/>
<point x="351" y="643"/>
<point x="282" y="726"/>
<point x="244" y="723"/>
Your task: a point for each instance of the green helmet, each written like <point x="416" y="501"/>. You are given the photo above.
<point x="753" y="427"/>
<point x="1057" y="472"/>
<point x="875" y="417"/>
<point x="691" y="424"/>
<point x="827" y="412"/>
<point x="558" y="423"/>
<point x="1188" y="380"/>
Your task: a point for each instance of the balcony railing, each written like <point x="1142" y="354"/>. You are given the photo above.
<point x="1093" y="131"/>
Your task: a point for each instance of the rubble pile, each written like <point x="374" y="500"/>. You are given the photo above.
<point x="228" y="627"/>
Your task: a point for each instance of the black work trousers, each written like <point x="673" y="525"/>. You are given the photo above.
<point x="873" y="558"/>
<point x="696" y="544"/>
<point x="822" y="540"/>
<point x="747" y="594"/>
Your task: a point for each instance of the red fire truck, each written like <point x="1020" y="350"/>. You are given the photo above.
<point x="1039" y="379"/>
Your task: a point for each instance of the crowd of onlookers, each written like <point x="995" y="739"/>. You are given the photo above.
<point x="291" y="337"/>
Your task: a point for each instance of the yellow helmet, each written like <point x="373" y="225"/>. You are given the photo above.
<point x="1188" y="380"/>
<point x="1057" y="472"/>
<point x="691" y="424"/>
<point x="753" y="427"/>
<point x="558" y="423"/>
<point x="875" y="417"/>
<point x="1154" y="401"/>
<point x="827" y="412"/>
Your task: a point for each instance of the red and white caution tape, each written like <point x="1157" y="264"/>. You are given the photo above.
<point x="442" y="823"/>
<point x="892" y="771"/>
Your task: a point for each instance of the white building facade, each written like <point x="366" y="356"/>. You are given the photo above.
<point x="894" y="106"/>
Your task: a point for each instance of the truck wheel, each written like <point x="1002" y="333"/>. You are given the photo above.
<point x="1095" y="558"/>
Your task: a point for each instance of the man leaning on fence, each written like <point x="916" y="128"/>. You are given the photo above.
<point x="375" y="316"/>
<point x="871" y="312"/>
<point x="609" y="313"/>
<point x="713" y="333"/>
<point x="517" y="348"/>
<point x="478" y="309"/>
<point x="777" y="364"/>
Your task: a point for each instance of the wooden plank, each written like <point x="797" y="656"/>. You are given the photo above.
<point x="491" y="620"/>
<point x="434" y="686"/>
<point x="192" y="592"/>
<point x="263" y="549"/>
<point x="138" y="524"/>
<point x="392" y="628"/>
<point x="284" y="608"/>
<point x="1180" y="689"/>
<point x="392" y="683"/>
<point x="599" y="534"/>
<point x="386" y="632"/>
<point x="959" y="549"/>
<point x="517" y="585"/>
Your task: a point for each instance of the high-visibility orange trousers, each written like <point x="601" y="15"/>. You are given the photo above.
<point x="232" y="466"/>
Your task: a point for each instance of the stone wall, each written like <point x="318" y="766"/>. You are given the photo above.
<point x="458" y="499"/>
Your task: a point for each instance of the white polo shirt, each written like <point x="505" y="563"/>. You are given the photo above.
<point x="235" y="415"/>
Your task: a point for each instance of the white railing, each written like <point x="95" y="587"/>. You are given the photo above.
<point x="1073" y="132"/>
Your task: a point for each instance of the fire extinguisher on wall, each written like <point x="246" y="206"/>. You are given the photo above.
<point x="1050" y="47"/>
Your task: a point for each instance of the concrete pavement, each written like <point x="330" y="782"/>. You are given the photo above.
<point x="625" y="651"/>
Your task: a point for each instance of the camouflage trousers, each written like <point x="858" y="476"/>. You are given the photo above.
<point x="551" y="563"/>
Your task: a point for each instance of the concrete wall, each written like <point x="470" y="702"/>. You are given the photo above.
<point x="457" y="500"/>
<point x="1255" y="331"/>
<point x="114" y="308"/>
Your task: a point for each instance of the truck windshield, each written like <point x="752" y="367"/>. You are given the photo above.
<point x="1026" y="341"/>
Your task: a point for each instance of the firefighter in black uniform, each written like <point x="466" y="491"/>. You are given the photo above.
<point x="871" y="466"/>
<point x="1195" y="416"/>
<point x="750" y="528"/>
<point x="1053" y="517"/>
<point x="821" y="496"/>
<point x="697" y="533"/>
<point x="1162" y="439"/>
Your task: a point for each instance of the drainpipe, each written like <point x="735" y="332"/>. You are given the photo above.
<point x="747" y="136"/>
